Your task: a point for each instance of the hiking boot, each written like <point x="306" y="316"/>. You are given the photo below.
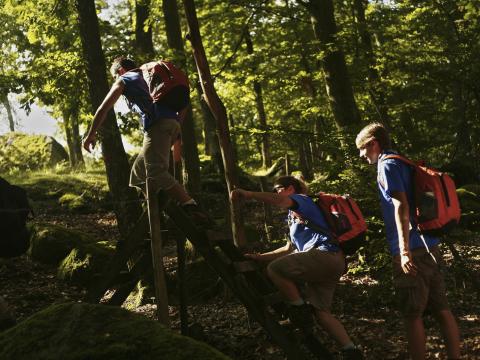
<point x="301" y="316"/>
<point x="199" y="217"/>
<point x="352" y="354"/>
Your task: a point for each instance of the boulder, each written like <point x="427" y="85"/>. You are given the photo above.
<point x="7" y="319"/>
<point x="88" y="331"/>
<point x="74" y="203"/>
<point x="50" y="244"/>
<point x="83" y="263"/>
<point x="469" y="200"/>
<point x="27" y="152"/>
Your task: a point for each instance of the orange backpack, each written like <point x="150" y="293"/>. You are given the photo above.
<point x="345" y="220"/>
<point x="436" y="201"/>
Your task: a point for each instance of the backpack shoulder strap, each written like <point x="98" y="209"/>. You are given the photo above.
<point x="401" y="158"/>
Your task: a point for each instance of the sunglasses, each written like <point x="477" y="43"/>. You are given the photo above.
<point x="276" y="188"/>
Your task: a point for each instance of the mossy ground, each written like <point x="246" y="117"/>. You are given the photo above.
<point x="85" y="331"/>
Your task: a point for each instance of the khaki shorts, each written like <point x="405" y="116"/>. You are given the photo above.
<point x="318" y="270"/>
<point x="426" y="289"/>
<point x="154" y="158"/>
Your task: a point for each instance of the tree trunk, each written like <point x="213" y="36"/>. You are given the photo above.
<point x="70" y="124"/>
<point x="191" y="176"/>
<point x="143" y="31"/>
<point x="76" y="138"/>
<point x="8" y="107"/>
<point x="68" y="135"/>
<point x="212" y="147"/>
<point x="338" y="85"/>
<point x="220" y="113"/>
<point x="304" y="161"/>
<point x="127" y="210"/>
<point x="262" y="118"/>
<point x="375" y="86"/>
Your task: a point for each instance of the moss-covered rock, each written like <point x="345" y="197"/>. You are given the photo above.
<point x="73" y="202"/>
<point x="473" y="188"/>
<point x="142" y="293"/>
<point x="83" y="263"/>
<point x="469" y="201"/>
<point x="50" y="244"/>
<point x="86" y="331"/>
<point x="26" y="152"/>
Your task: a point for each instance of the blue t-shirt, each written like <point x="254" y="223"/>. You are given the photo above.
<point x="139" y="100"/>
<point x="393" y="175"/>
<point x="301" y="235"/>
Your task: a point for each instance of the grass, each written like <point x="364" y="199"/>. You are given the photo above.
<point x="61" y="188"/>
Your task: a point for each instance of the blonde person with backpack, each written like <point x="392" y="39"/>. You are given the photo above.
<point x="418" y="281"/>
<point x="161" y="128"/>
<point x="310" y="258"/>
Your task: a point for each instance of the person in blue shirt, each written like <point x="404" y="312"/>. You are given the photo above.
<point x="418" y="281"/>
<point x="161" y="130"/>
<point x="309" y="258"/>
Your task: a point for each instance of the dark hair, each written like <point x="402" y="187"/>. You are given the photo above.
<point x="122" y="61"/>
<point x="285" y="181"/>
<point x="373" y="131"/>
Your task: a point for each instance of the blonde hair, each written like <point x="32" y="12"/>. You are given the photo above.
<point x="373" y="131"/>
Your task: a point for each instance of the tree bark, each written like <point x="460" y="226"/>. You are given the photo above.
<point x="375" y="86"/>
<point x="262" y="118"/>
<point x="337" y="80"/>
<point x="127" y="210"/>
<point x="220" y="113"/>
<point x="11" y="123"/>
<point x="212" y="147"/>
<point x="143" y="31"/>
<point x="191" y="176"/>
<point x="72" y="135"/>
<point x="77" y="139"/>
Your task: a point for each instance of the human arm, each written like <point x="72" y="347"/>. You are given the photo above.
<point x="402" y="222"/>
<point x="271" y="255"/>
<point x="266" y="197"/>
<point x="177" y="150"/>
<point x="101" y="113"/>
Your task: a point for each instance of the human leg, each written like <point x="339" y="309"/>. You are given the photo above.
<point x="286" y="286"/>
<point x="154" y="160"/>
<point x="415" y="337"/>
<point x="450" y="332"/>
<point x="333" y="327"/>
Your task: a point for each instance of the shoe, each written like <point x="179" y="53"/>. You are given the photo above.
<point x="199" y="218"/>
<point x="352" y="354"/>
<point x="301" y="316"/>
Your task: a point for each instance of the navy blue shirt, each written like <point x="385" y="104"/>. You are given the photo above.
<point x="393" y="175"/>
<point x="139" y="100"/>
<point x="301" y="235"/>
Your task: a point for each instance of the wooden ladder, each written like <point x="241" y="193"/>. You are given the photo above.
<point x="249" y="285"/>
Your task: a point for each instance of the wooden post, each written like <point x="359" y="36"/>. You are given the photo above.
<point x="267" y="210"/>
<point x="161" y="295"/>
<point x="287" y="164"/>
<point x="181" y="240"/>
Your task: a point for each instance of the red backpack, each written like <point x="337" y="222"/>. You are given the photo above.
<point x="436" y="201"/>
<point x="167" y="84"/>
<point x="344" y="219"/>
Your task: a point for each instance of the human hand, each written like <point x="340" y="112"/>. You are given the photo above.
<point x="407" y="264"/>
<point x="255" y="256"/>
<point x="89" y="142"/>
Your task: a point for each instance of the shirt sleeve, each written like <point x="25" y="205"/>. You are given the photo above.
<point x="306" y="207"/>
<point x="391" y="177"/>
